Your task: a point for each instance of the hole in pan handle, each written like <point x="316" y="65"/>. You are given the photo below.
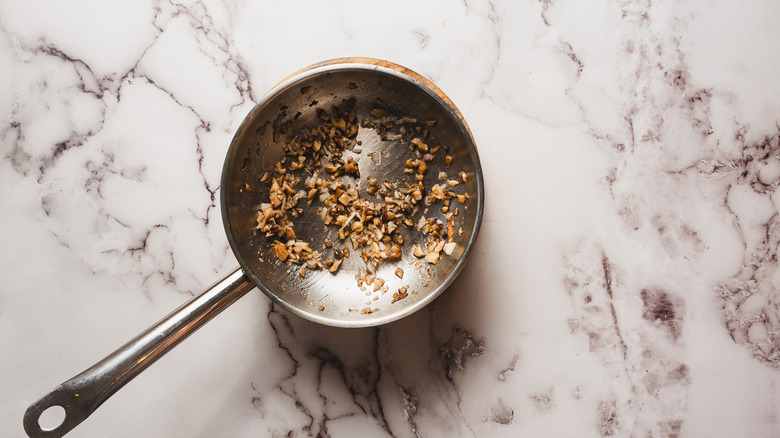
<point x="60" y="396"/>
<point x="81" y="395"/>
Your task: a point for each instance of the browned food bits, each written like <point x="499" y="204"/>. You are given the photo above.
<point x="401" y="294"/>
<point x="371" y="224"/>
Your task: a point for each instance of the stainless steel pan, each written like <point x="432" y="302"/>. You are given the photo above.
<point x="320" y="296"/>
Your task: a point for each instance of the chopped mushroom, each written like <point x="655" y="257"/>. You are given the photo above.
<point x="281" y="251"/>
<point x="369" y="220"/>
<point x="335" y="266"/>
<point x="449" y="247"/>
<point x="401" y="294"/>
<point x="277" y="197"/>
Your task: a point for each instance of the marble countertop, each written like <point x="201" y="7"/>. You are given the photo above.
<point x="625" y="281"/>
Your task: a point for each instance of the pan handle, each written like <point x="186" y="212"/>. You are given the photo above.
<point x="81" y="395"/>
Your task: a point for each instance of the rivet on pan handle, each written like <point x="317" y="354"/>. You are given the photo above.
<point x="83" y="394"/>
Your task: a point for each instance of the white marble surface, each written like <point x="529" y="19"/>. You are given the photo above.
<point x="625" y="282"/>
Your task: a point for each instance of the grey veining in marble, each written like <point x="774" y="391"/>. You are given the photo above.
<point x="625" y="281"/>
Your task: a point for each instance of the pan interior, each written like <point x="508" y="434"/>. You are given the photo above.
<point x="336" y="299"/>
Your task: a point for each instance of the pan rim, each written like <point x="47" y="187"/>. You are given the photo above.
<point x="351" y="64"/>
